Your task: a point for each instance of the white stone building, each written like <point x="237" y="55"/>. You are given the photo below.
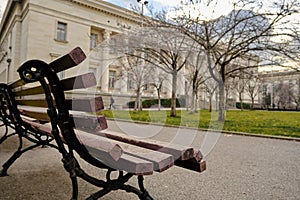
<point x="43" y="29"/>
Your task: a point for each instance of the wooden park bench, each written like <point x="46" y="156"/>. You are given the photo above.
<point x="37" y="108"/>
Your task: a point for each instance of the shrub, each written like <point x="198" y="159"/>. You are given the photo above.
<point x="245" y="105"/>
<point x="164" y="103"/>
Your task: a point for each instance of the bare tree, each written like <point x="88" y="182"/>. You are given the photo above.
<point x="283" y="95"/>
<point x="136" y="72"/>
<point x="196" y="75"/>
<point x="168" y="50"/>
<point x="157" y="80"/>
<point x="296" y="94"/>
<point x="241" y="33"/>
<point x="239" y="84"/>
<point x="210" y="86"/>
<point x="252" y="87"/>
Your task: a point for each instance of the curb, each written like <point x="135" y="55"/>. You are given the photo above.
<point x="222" y="131"/>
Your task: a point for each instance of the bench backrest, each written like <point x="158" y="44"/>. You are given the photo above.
<point x="39" y="81"/>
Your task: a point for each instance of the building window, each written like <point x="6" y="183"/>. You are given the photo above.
<point x="111" y="79"/>
<point x="61" y="31"/>
<point x="93" y="41"/>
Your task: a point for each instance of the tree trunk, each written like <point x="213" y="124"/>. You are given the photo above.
<point x="193" y="103"/>
<point x="173" y="98"/>
<point x="210" y="103"/>
<point x="221" y="102"/>
<point x="252" y="103"/>
<point x="159" y="101"/>
<point x="137" y="104"/>
<point x="196" y="102"/>
<point x="241" y="101"/>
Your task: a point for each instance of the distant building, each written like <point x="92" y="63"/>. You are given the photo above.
<point x="280" y="89"/>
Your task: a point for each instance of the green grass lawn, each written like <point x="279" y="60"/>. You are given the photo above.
<point x="258" y="122"/>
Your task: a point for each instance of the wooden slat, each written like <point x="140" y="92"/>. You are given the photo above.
<point x="86" y="121"/>
<point x="132" y="165"/>
<point x="33" y="102"/>
<point x="75" y="57"/>
<point x="161" y="161"/>
<point x="83" y="81"/>
<point x="17" y="83"/>
<point x="104" y="153"/>
<point x="80" y="121"/>
<point x="105" y="149"/>
<point x="100" y="146"/>
<point x="178" y="152"/>
<point x="30" y="91"/>
<point x="78" y="82"/>
<point x="42" y="116"/>
<point x="192" y="165"/>
<point x="91" y="104"/>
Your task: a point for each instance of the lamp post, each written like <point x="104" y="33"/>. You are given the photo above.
<point x="144" y="3"/>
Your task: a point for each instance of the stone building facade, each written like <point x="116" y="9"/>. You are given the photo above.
<point x="43" y="29"/>
<point x="280" y="89"/>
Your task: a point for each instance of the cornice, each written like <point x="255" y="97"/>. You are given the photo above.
<point x="68" y="16"/>
<point x="109" y="9"/>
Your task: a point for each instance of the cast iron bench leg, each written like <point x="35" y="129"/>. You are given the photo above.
<point x="15" y="156"/>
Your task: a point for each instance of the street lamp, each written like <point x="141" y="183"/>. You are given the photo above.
<point x="144" y="3"/>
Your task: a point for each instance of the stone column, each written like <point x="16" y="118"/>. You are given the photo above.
<point x="105" y="63"/>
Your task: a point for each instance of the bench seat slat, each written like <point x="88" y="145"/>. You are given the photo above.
<point x="91" y="104"/>
<point x="178" y="151"/>
<point x="192" y="164"/>
<point x="161" y="161"/>
<point x="126" y="162"/>
<point x="132" y="165"/>
<point x="106" y="151"/>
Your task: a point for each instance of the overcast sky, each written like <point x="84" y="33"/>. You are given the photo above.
<point x="214" y="10"/>
<point x="2" y="6"/>
<point x="156" y="4"/>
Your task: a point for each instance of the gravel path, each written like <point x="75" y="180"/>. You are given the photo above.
<point x="238" y="167"/>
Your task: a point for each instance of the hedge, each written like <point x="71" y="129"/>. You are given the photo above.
<point x="166" y="103"/>
<point x="245" y="105"/>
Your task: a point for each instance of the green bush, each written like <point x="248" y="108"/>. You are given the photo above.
<point x="164" y="103"/>
<point x="245" y="105"/>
